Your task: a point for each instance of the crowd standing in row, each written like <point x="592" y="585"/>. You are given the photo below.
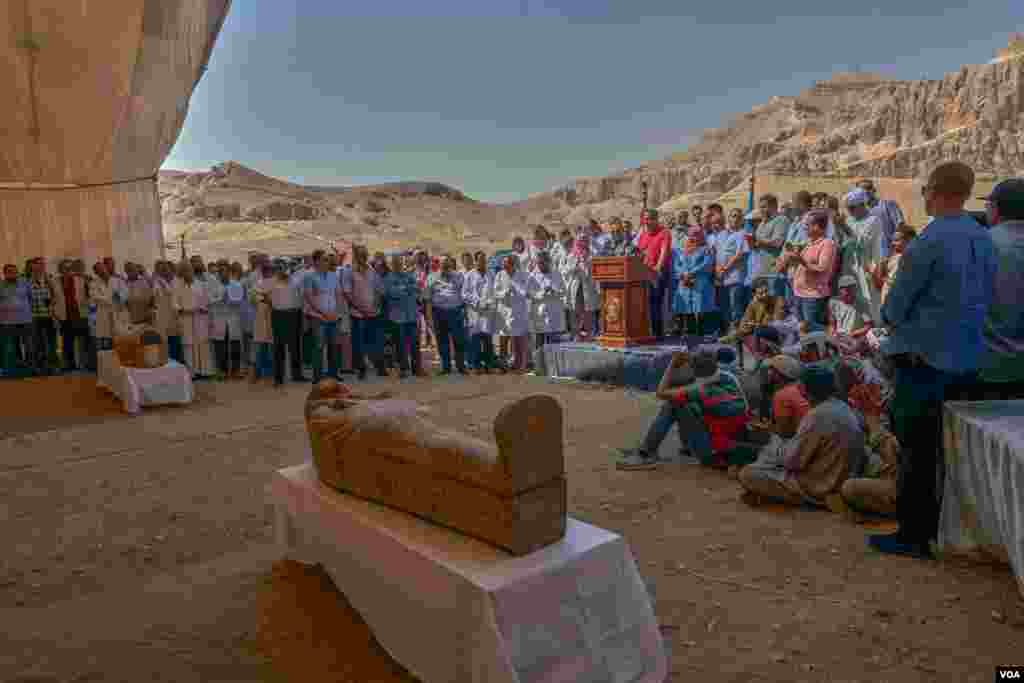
<point x="938" y="312"/>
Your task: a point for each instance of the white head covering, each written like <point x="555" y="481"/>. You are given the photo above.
<point x="858" y="196"/>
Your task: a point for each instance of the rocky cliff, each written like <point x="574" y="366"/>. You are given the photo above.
<point x="852" y="125"/>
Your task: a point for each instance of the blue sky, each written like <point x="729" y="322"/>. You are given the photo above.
<point x="505" y="98"/>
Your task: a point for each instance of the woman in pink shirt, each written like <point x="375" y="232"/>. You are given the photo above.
<point x="815" y="265"/>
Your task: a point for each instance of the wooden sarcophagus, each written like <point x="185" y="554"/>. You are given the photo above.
<point x="511" y="494"/>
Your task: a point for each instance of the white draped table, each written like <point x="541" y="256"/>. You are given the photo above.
<point x="140" y="387"/>
<point x="455" y="610"/>
<point x="983" y="500"/>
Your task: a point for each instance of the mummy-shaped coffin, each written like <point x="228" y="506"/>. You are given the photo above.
<point x="511" y="494"/>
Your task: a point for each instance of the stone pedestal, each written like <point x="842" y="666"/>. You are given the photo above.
<point x="454" y="610"/>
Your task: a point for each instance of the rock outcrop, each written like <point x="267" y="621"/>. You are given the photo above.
<point x="854" y="124"/>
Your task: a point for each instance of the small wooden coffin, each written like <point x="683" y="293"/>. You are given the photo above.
<point x="511" y="495"/>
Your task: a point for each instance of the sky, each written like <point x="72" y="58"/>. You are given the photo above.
<point x="507" y="98"/>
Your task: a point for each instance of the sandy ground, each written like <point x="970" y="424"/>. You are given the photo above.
<point x="139" y="549"/>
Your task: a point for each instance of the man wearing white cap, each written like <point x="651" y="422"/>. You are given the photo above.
<point x="846" y="321"/>
<point x="863" y="249"/>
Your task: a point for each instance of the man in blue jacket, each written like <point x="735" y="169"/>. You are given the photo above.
<point x="935" y="313"/>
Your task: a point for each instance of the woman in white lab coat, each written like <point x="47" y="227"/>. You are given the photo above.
<point x="582" y="296"/>
<point x="512" y="306"/>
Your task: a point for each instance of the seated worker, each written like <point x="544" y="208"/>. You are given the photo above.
<point x="875" y="492"/>
<point x="845" y="322"/>
<point x="812" y="347"/>
<point x="827" y="449"/>
<point x="782" y="404"/>
<point x="711" y="413"/>
<point x="763" y="309"/>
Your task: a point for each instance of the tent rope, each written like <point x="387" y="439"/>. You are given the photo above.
<point x="28" y="187"/>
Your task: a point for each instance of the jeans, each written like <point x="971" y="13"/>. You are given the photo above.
<point x="44" y="342"/>
<point x="175" y="351"/>
<point x="916" y="413"/>
<point x="483" y="351"/>
<point x="11" y="337"/>
<point x="812" y="311"/>
<point x="732" y="299"/>
<point x="656" y="299"/>
<point x="692" y="432"/>
<point x="450" y="324"/>
<point x="366" y="342"/>
<point x="284" y="324"/>
<point x="264" y="366"/>
<point x="324" y="333"/>
<point x="405" y="345"/>
<point x="71" y="330"/>
<point x="228" y="363"/>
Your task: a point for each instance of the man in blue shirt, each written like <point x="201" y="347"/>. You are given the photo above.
<point x="1002" y="375"/>
<point x="731" y="253"/>
<point x="320" y="291"/>
<point x="935" y="312"/>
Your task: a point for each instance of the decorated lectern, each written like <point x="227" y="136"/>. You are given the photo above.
<point x="624" y="300"/>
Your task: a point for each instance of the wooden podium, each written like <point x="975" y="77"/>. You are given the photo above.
<point x="624" y="300"/>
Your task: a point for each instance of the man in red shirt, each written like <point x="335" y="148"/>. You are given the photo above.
<point x="655" y="245"/>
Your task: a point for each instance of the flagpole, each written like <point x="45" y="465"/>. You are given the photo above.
<point x="753" y="176"/>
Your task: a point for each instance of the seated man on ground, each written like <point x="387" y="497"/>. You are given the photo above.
<point x="711" y="413"/>
<point x="875" y="492"/>
<point x="763" y="309"/>
<point x="827" y="449"/>
<point x="846" y="323"/>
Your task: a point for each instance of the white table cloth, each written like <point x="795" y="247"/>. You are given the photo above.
<point x="983" y="499"/>
<point x="455" y="610"/>
<point x="140" y="387"/>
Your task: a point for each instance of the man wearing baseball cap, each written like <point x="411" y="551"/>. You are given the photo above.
<point x="1002" y="375"/>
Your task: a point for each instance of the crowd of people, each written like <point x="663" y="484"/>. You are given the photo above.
<point x="892" y="322"/>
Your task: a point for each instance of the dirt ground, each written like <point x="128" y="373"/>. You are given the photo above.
<point x="140" y="549"/>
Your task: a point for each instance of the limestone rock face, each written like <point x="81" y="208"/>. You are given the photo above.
<point x="854" y="124"/>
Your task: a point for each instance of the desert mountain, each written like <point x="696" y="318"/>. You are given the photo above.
<point x="851" y="126"/>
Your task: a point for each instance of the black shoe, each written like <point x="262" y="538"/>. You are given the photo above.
<point x="299" y="379"/>
<point x="404" y="374"/>
<point x="362" y="375"/>
<point x="278" y="383"/>
<point x="463" y="371"/>
<point x="895" y="544"/>
<point x="443" y="373"/>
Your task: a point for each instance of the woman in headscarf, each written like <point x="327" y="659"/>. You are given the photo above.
<point x="510" y="295"/>
<point x="538" y="245"/>
<point x="582" y="297"/>
<point x="694" y="291"/>
<point x="422" y="262"/>
<point x="192" y="304"/>
<point x="547" y="297"/>
<point x="521" y="252"/>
